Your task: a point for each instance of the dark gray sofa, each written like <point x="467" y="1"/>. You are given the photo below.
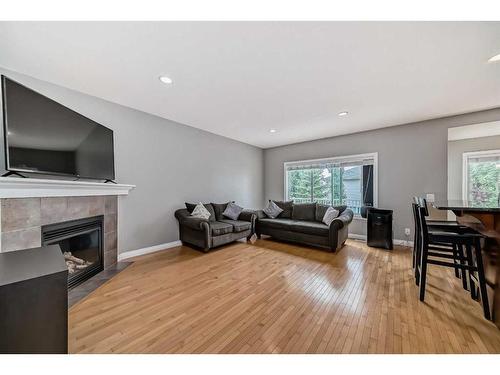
<point x="215" y="231"/>
<point x="303" y="223"/>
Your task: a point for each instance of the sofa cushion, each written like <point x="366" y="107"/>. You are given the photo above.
<point x="284" y="224"/>
<point x="232" y="211"/>
<point x="287" y="207"/>
<point x="310" y="227"/>
<point x="238" y="225"/>
<point x="219" y="209"/>
<point x="272" y="210"/>
<point x="304" y="211"/>
<point x="218" y="228"/>
<point x="321" y="211"/>
<point x="190" y="207"/>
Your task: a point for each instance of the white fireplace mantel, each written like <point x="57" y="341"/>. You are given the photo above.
<point x="14" y="187"/>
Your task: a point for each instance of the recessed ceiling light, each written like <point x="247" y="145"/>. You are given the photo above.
<point x="345" y="113"/>
<point x="495" y="58"/>
<point x="166" y="80"/>
<point x="272" y="131"/>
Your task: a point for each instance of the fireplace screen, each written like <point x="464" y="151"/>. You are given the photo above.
<point x="81" y="244"/>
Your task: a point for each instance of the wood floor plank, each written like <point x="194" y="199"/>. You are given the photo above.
<point x="272" y="297"/>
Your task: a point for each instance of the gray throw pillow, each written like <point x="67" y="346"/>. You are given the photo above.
<point x="219" y="209"/>
<point x="272" y="210"/>
<point x="321" y="210"/>
<point x="232" y="211"/>
<point x="330" y="215"/>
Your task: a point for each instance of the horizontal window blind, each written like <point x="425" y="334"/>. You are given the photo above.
<point x="332" y="163"/>
<point x="485" y="159"/>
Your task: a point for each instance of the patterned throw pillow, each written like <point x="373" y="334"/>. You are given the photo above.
<point x="272" y="210"/>
<point x="232" y="211"/>
<point x="330" y="215"/>
<point x="200" y="212"/>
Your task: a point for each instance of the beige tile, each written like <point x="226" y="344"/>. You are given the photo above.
<point x="78" y="208"/>
<point x="110" y="223"/>
<point x="110" y="241"/>
<point x="20" y="213"/>
<point x="21" y="239"/>
<point x="111" y="204"/>
<point x="96" y="206"/>
<point x="110" y="258"/>
<point x="54" y="210"/>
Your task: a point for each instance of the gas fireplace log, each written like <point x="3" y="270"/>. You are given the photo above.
<point x="69" y="256"/>
<point x="71" y="267"/>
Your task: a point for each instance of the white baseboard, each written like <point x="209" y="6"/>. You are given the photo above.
<point x="403" y="243"/>
<point x="362" y="237"/>
<point x="148" y="250"/>
<point x="168" y="245"/>
<point x="354" y="236"/>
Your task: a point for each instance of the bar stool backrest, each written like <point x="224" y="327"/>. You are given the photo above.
<point x="423" y="204"/>
<point x="421" y="214"/>
<point x="416" y="236"/>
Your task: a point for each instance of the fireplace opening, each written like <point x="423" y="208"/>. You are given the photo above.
<point x="81" y="242"/>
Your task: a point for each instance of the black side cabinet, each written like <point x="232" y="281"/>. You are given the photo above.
<point x="379" y="230"/>
<point x="33" y="301"/>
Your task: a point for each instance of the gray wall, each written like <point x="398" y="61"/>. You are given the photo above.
<point x="455" y="160"/>
<point x="412" y="161"/>
<point x="169" y="162"/>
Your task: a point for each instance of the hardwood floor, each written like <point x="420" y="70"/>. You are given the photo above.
<point x="272" y="297"/>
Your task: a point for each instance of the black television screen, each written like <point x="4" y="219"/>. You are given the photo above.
<point x="43" y="136"/>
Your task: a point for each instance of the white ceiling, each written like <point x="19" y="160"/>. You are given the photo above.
<point x="241" y="79"/>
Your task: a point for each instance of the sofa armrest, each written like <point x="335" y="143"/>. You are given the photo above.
<point x="344" y="219"/>
<point x="181" y="214"/>
<point x="339" y="229"/>
<point x="247" y="215"/>
<point x="196" y="223"/>
<point x="185" y="219"/>
<point x="259" y="214"/>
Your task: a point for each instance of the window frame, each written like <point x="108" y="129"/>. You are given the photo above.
<point x="465" y="167"/>
<point x="337" y="159"/>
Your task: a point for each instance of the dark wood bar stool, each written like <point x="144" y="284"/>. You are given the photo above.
<point x="470" y="263"/>
<point x="440" y="247"/>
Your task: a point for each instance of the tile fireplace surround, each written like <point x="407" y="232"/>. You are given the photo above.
<point x="28" y="204"/>
<point x="22" y="219"/>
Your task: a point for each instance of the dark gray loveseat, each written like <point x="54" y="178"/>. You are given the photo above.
<point x="303" y="223"/>
<point x="215" y="231"/>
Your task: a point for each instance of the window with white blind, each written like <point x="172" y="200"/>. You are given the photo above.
<point x="347" y="180"/>
<point x="481" y="177"/>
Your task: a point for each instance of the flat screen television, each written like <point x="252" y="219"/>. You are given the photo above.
<point x="43" y="136"/>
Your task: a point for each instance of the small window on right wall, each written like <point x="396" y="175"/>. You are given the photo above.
<point x="481" y="177"/>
